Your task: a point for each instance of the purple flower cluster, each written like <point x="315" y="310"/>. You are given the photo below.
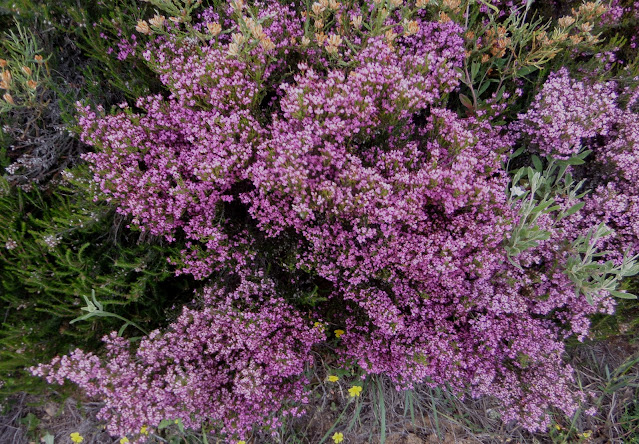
<point x="229" y="366"/>
<point x="569" y="115"/>
<point x="566" y="113"/>
<point x="349" y="158"/>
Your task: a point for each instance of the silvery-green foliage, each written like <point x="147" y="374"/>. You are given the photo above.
<point x="533" y="192"/>
<point x="591" y="276"/>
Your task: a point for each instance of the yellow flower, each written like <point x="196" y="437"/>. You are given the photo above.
<point x="355" y="390"/>
<point x="76" y="437"/>
<point x="241" y="442"/>
<point x="144" y="430"/>
<point x="557" y="426"/>
<point x="124" y="440"/>
<point x="338" y="437"/>
<point x="339" y="333"/>
<point x="333" y="378"/>
<point x="586" y="434"/>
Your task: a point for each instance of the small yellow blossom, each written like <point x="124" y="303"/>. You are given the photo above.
<point x="338" y="437"/>
<point x="144" y="430"/>
<point x="557" y="426"/>
<point x="586" y="434"/>
<point x="333" y="378"/>
<point x="354" y="391"/>
<point x="241" y="442"/>
<point x="339" y="333"/>
<point x="76" y="437"/>
<point x="124" y="440"/>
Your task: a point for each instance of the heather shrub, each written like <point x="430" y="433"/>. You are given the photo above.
<point x="567" y="115"/>
<point x="359" y="150"/>
<point x="229" y="365"/>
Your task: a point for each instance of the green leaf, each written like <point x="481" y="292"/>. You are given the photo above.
<point x="572" y="161"/>
<point x="474" y="70"/>
<point x="543" y="205"/>
<point x="572" y="210"/>
<point x="582" y="155"/>
<point x="517" y="152"/>
<point x="537" y="162"/>
<point x="124" y="326"/>
<point x="526" y="70"/>
<point x="622" y="295"/>
<point x="500" y="93"/>
<point x="466" y="101"/>
<point x="484" y="86"/>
